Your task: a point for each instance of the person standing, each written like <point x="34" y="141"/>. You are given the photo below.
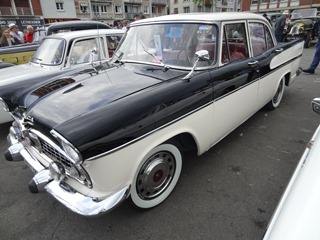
<point x="14" y="31"/>
<point x="7" y="39"/>
<point x="280" y="25"/>
<point x="136" y="17"/>
<point x="316" y="58"/>
<point x="29" y="34"/>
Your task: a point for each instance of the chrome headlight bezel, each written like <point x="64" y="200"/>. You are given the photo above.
<point x="4" y="105"/>
<point x="71" y="151"/>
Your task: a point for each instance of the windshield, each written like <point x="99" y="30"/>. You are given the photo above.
<point x="170" y="44"/>
<point x="50" y="52"/>
<point x="304" y="13"/>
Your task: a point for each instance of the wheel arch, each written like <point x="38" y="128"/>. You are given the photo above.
<point x="287" y="78"/>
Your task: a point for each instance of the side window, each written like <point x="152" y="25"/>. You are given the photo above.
<point x="112" y="42"/>
<point x="260" y="37"/>
<point x="83" y="51"/>
<point x="234" y="44"/>
<point x="270" y="43"/>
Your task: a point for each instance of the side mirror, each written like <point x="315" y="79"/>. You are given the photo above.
<point x="202" y="55"/>
<point x="316" y="105"/>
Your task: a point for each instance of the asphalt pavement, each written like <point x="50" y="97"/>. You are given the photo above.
<point x="230" y="192"/>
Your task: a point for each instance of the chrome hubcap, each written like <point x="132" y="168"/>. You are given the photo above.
<point x="155" y="175"/>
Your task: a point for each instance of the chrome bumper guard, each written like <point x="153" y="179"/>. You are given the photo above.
<point x="77" y="202"/>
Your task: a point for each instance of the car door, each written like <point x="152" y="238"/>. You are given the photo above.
<point x="235" y="83"/>
<point x="272" y="59"/>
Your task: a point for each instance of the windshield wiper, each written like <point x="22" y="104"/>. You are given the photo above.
<point x="165" y="68"/>
<point x="38" y="59"/>
<point x="118" y="59"/>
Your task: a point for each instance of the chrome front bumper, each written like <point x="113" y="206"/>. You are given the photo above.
<point x="69" y="197"/>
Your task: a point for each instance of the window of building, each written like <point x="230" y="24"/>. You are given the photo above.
<point x="83" y="7"/>
<point x="175" y="2"/>
<point x="254" y="1"/>
<point x="95" y="9"/>
<point x="186" y="9"/>
<point x="118" y="9"/>
<point x="175" y="11"/>
<point x="104" y="8"/>
<point x="186" y="1"/>
<point x="146" y="9"/>
<point x="59" y="5"/>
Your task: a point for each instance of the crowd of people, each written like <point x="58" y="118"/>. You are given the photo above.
<point x="123" y="24"/>
<point x="11" y="35"/>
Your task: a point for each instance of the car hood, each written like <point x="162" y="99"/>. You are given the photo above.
<point x="88" y="91"/>
<point x="21" y="72"/>
<point x="22" y="76"/>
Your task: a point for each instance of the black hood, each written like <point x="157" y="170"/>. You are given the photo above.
<point x="83" y="93"/>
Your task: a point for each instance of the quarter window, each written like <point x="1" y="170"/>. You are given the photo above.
<point x="260" y="37"/>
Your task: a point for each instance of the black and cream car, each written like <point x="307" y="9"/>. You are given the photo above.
<point x="175" y="83"/>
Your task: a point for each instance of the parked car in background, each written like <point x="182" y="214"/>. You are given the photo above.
<point x="22" y="53"/>
<point x="297" y="214"/>
<point x="177" y="82"/>
<point x="273" y="16"/>
<point x="59" y="54"/>
<point x="304" y="24"/>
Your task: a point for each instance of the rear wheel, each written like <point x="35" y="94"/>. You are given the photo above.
<point x="276" y="100"/>
<point x="157" y="176"/>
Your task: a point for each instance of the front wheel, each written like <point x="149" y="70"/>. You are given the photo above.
<point x="276" y="100"/>
<point x="157" y="176"/>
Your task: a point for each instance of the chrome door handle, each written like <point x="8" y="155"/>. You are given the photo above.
<point x="253" y="63"/>
<point x="279" y="50"/>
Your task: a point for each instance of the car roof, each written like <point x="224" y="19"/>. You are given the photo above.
<point x="76" y="25"/>
<point x="198" y="17"/>
<point x="86" y="33"/>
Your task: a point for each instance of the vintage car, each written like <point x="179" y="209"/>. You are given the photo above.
<point x="175" y="83"/>
<point x="22" y="53"/>
<point x="297" y="214"/>
<point x="58" y="54"/>
<point x="304" y="24"/>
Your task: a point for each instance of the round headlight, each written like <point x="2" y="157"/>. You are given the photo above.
<point x="71" y="151"/>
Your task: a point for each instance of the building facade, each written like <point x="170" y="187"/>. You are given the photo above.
<point x="186" y="6"/>
<point x="261" y="6"/>
<point x="21" y="12"/>
<point x="39" y="12"/>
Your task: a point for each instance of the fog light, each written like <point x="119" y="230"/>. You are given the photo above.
<point x="56" y="171"/>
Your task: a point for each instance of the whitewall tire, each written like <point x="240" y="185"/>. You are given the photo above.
<point x="276" y="100"/>
<point x="157" y="176"/>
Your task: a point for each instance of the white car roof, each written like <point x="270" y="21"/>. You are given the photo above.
<point x="204" y="17"/>
<point x="86" y="33"/>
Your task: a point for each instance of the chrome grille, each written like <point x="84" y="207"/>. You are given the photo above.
<point x="54" y="154"/>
